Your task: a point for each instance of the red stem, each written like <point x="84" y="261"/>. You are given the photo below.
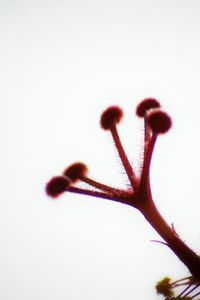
<point x="128" y="168"/>
<point x="100" y="186"/>
<point x="182" y="251"/>
<point x="95" y="194"/>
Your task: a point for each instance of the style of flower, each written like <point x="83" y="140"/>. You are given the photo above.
<point x="138" y="194"/>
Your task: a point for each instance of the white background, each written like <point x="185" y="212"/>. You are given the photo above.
<point x="62" y="63"/>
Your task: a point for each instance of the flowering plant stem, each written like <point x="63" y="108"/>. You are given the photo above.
<point x="191" y="260"/>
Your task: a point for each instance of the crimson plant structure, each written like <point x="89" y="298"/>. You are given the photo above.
<point x="138" y="194"/>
